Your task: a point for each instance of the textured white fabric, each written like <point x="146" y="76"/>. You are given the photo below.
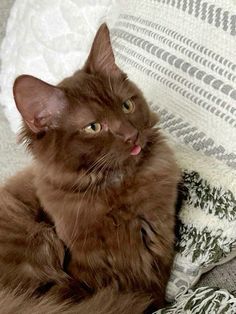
<point x="48" y="39"/>
<point x="187" y="50"/>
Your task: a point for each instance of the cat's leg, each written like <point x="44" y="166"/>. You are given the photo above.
<point x="31" y="254"/>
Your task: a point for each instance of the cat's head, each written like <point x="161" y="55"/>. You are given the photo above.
<point x="97" y="117"/>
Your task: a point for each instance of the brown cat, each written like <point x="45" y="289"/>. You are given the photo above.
<point x="106" y="178"/>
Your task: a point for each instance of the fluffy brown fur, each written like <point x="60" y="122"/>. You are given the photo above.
<point x="106" y="178"/>
<point x="104" y="302"/>
<point x="31" y="256"/>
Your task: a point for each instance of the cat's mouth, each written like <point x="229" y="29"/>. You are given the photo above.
<point x="136" y="149"/>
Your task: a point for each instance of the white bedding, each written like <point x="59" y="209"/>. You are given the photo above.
<point x="48" y="39"/>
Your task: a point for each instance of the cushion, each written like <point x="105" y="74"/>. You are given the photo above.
<point x="42" y="36"/>
<point x="182" y="55"/>
<point x="12" y="156"/>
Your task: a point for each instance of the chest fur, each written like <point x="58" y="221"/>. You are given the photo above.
<point x="122" y="235"/>
<point x="119" y="233"/>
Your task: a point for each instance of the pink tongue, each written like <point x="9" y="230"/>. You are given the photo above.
<point x="135" y="150"/>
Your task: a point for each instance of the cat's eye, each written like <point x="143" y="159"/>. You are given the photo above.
<point x="93" y="128"/>
<point x="128" y="106"/>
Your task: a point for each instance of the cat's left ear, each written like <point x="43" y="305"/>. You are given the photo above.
<point x="101" y="58"/>
<point x="39" y="103"/>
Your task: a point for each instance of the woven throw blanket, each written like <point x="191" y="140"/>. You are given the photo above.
<point x="204" y="300"/>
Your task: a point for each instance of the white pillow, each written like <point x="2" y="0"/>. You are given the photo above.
<point x="48" y="39"/>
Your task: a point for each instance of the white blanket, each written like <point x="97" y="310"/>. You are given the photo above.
<point x="48" y="39"/>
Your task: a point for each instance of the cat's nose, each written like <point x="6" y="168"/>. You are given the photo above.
<point x="127" y="132"/>
<point x="131" y="137"/>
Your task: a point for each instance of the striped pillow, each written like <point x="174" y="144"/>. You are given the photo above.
<point x="182" y="54"/>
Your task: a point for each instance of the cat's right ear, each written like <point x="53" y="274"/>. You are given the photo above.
<point x="101" y="57"/>
<point x="39" y="103"/>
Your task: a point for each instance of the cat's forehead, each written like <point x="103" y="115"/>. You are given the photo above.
<point x="88" y="108"/>
<point x="81" y="116"/>
<point x="94" y="98"/>
<point x="101" y="88"/>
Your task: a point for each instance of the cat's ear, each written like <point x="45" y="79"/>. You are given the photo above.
<point x="101" y="58"/>
<point x="39" y="103"/>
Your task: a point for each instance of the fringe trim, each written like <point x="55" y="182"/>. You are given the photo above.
<point x="204" y="300"/>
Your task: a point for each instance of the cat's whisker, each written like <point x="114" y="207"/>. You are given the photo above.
<point x="89" y="171"/>
<point x="85" y="239"/>
<point x="89" y="189"/>
<point x="95" y="164"/>
<point x="122" y="85"/>
<point x="73" y="234"/>
<point x="73" y="189"/>
<point x="116" y="165"/>
<point x="109" y="80"/>
<point x="105" y="165"/>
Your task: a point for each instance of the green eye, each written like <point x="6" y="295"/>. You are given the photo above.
<point x="128" y="106"/>
<point x="93" y="128"/>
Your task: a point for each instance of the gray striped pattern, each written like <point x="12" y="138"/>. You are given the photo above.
<point x="219" y="104"/>
<point x="197" y="139"/>
<point x="183" y="130"/>
<point x="177" y="62"/>
<point x="219" y="69"/>
<point x="207" y="12"/>
<point x="178" y="37"/>
<point x="184" y="69"/>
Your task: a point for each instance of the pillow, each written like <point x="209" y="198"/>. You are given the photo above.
<point x="12" y="157"/>
<point x="48" y="39"/>
<point x="203" y="300"/>
<point x="182" y="55"/>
